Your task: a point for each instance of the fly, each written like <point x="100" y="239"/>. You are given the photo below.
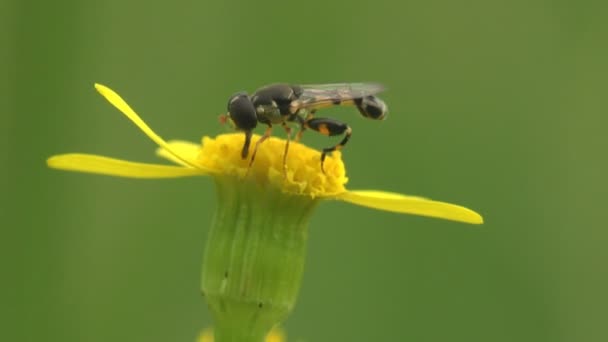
<point x="281" y="103"/>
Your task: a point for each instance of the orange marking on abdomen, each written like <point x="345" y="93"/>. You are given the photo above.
<point x="323" y="129"/>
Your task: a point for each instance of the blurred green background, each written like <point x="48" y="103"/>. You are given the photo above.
<point x="496" y="105"/>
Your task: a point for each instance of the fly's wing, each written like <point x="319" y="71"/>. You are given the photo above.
<point x="316" y="96"/>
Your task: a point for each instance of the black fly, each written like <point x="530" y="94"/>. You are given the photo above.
<point x="282" y="103"/>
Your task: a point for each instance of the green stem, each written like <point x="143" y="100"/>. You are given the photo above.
<point x="254" y="258"/>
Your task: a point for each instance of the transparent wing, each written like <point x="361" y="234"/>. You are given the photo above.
<point x="315" y="96"/>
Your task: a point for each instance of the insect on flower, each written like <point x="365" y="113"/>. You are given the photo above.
<point x="256" y="249"/>
<point x="282" y="103"/>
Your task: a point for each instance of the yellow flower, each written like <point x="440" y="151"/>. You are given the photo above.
<point x="220" y="157"/>
<point x="256" y="247"/>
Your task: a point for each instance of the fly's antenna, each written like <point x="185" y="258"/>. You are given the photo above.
<point x="224" y="119"/>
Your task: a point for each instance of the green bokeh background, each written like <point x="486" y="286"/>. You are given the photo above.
<point x="497" y="105"/>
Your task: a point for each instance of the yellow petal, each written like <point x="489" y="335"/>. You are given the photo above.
<point x="411" y="205"/>
<point x="116" y="167"/>
<point x="205" y="335"/>
<point x="121" y="105"/>
<point x="185" y="149"/>
<point x="276" y="335"/>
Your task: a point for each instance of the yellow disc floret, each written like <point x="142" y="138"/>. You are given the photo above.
<point x="302" y="176"/>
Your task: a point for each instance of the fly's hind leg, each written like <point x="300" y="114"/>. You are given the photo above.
<point x="329" y="127"/>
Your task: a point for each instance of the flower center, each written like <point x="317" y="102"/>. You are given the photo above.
<point x="302" y="176"/>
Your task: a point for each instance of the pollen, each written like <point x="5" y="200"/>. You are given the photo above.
<point x="302" y="174"/>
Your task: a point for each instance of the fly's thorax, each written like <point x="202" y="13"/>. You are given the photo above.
<point x="280" y="92"/>
<point x="269" y="114"/>
<point x="273" y="102"/>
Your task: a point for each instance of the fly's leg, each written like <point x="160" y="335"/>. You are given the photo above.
<point x="329" y="127"/>
<point x="257" y="145"/>
<point x="288" y="130"/>
<point x="301" y="130"/>
<point x="301" y="121"/>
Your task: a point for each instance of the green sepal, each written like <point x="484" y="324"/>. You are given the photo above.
<point x="254" y="259"/>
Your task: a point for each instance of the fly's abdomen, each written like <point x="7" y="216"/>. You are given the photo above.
<point x="371" y="107"/>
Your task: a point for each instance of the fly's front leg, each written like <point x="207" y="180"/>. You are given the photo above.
<point x="257" y="144"/>
<point x="329" y="127"/>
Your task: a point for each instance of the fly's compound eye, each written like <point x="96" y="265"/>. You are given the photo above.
<point x="372" y="107"/>
<point x="242" y="112"/>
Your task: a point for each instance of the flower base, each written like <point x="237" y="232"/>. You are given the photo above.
<point x="254" y="258"/>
